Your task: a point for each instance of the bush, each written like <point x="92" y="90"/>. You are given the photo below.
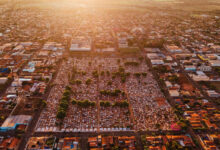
<point x="116" y="92"/>
<point x="95" y="74"/>
<point x="173" y="78"/>
<point x="122" y="104"/>
<point x="127" y="74"/>
<point x="88" y="81"/>
<point x="123" y="79"/>
<point x="137" y="75"/>
<point x="131" y="63"/>
<point x="50" y="141"/>
<point x="86" y="103"/>
<point x="74" y="101"/>
<point x="109" y="83"/>
<point x="108" y="73"/>
<point x="105" y="103"/>
<point x="121" y="69"/>
<point x="63" y="106"/>
<point x="102" y="73"/>
<point x="144" y="74"/>
<point x="78" y="82"/>
<point x="61" y="114"/>
<point x="68" y="88"/>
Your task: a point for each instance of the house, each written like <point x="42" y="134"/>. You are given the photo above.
<point x="214" y="63"/>
<point x="210" y="125"/>
<point x="69" y="143"/>
<point x="12" y="90"/>
<point x="77" y="47"/>
<point x="216" y="48"/>
<point x="30" y="67"/>
<point x="190" y="68"/>
<point x="207" y="142"/>
<point x="16" y="83"/>
<point x="200" y="76"/>
<point x="3" y="80"/>
<point x="122" y="43"/>
<point x="53" y="46"/>
<point x="174" y="93"/>
<point x="157" y="62"/>
<point x="155" y="56"/>
<point x="13" y="121"/>
<point x="10" y="143"/>
<point x="169" y="58"/>
<point x="108" y="49"/>
<point x="173" y="49"/>
<point x="205" y="68"/>
<point x="40" y="143"/>
<point x="168" y="84"/>
<point x="212" y="93"/>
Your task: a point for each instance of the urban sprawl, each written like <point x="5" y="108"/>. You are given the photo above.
<point x="109" y="79"/>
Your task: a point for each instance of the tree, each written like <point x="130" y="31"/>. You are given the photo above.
<point x="121" y="69"/>
<point x="44" y="103"/>
<point x="157" y="126"/>
<point x="123" y="79"/>
<point x="83" y="73"/>
<point x="102" y="73"/>
<point x="105" y="103"/>
<point x="131" y="63"/>
<point x="137" y="75"/>
<point x="61" y="114"/>
<point x="109" y="83"/>
<point x="173" y="145"/>
<point x="141" y="58"/>
<point x="108" y="73"/>
<point x="68" y="88"/>
<point x="74" y="101"/>
<point x="86" y="103"/>
<point x="78" y="82"/>
<point x="173" y="78"/>
<point x="95" y="74"/>
<point x="144" y="74"/>
<point x="88" y="81"/>
<point x="122" y="104"/>
<point x="127" y="74"/>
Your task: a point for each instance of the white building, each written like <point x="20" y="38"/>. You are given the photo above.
<point x="157" y="62"/>
<point x="173" y="49"/>
<point x="77" y="47"/>
<point x="3" y="80"/>
<point x="213" y="93"/>
<point x="168" y="84"/>
<point x="215" y="63"/>
<point x="205" y="68"/>
<point x="174" y="93"/>
<point x="122" y="43"/>
<point x="200" y="76"/>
